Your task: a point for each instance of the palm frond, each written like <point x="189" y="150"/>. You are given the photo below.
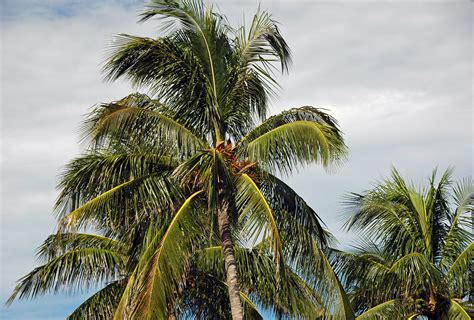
<point x="100" y="305"/>
<point x="457" y="312"/>
<point x="293" y="138"/>
<point x="60" y="243"/>
<point x="160" y="271"/>
<point x="142" y="120"/>
<point x="414" y="271"/>
<point x="257" y="216"/>
<point x="292" y="212"/>
<point x="387" y="310"/>
<point x="77" y="269"/>
<point x="459" y="234"/>
<point x="459" y="275"/>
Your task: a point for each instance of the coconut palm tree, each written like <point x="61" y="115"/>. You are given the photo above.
<point x="213" y="83"/>
<point x="418" y="252"/>
<point x="201" y="161"/>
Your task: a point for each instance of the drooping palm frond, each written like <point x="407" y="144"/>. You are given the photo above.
<point x="293" y="138"/>
<point x="414" y="272"/>
<point x="328" y="285"/>
<point x="107" y="209"/>
<point x="457" y="312"/>
<point x="75" y="270"/>
<point x="150" y="290"/>
<point x="293" y="215"/>
<point x="137" y="117"/>
<point x="258" y="273"/>
<point x="58" y="244"/>
<point x="459" y="234"/>
<point x="100" y="305"/>
<point x="387" y="310"/>
<point x="257" y="216"/>
<point x="459" y="274"/>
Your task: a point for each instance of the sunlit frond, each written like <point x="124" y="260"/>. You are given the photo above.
<point x="257" y="216"/>
<point x="294" y="138"/>
<point x="387" y="310"/>
<point x="137" y="117"/>
<point x="457" y="312"/>
<point x="160" y="271"/>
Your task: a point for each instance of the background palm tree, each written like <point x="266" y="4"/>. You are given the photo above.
<point x="417" y="253"/>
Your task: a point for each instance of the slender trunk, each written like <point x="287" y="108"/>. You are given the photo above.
<point x="229" y="261"/>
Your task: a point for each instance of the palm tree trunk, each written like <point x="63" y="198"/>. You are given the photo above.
<point x="229" y="261"/>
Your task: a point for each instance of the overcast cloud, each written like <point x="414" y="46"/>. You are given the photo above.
<point x="397" y="76"/>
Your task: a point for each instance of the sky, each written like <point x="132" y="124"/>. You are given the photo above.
<point x="396" y="74"/>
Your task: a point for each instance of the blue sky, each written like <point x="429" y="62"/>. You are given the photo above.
<point x="396" y="74"/>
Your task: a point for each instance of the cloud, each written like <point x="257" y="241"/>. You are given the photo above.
<point x="397" y="75"/>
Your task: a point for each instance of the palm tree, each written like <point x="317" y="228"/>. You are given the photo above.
<point x="416" y="257"/>
<point x="200" y="162"/>
<point x="213" y="83"/>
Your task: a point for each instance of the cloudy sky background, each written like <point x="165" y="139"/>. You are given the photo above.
<point x="397" y="75"/>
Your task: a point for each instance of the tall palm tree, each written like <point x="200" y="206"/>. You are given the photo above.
<point x="200" y="162"/>
<point x="213" y="83"/>
<point x="418" y="252"/>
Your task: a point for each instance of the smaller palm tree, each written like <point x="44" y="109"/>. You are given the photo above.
<point x="417" y="251"/>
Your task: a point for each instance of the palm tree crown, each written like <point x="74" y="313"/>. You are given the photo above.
<point x="418" y="250"/>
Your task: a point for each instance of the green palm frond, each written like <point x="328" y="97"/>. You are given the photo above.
<point x="128" y="119"/>
<point x="459" y="275"/>
<point x="108" y="208"/>
<point x="59" y="244"/>
<point x="426" y="245"/>
<point x="292" y="213"/>
<point x="154" y="282"/>
<point x="459" y="234"/>
<point x="257" y="216"/>
<point x="330" y="288"/>
<point x="414" y="271"/>
<point x="100" y="305"/>
<point x="75" y="270"/>
<point x="258" y="274"/>
<point x="457" y="312"/>
<point x="387" y="310"/>
<point x="293" y="138"/>
<point x="263" y="43"/>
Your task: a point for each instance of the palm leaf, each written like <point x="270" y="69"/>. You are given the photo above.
<point x="259" y="220"/>
<point x="128" y="119"/>
<point x="74" y="270"/>
<point x="387" y="310"/>
<point x="101" y="305"/>
<point x="159" y="272"/>
<point x="457" y="312"/>
<point x="293" y="138"/>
